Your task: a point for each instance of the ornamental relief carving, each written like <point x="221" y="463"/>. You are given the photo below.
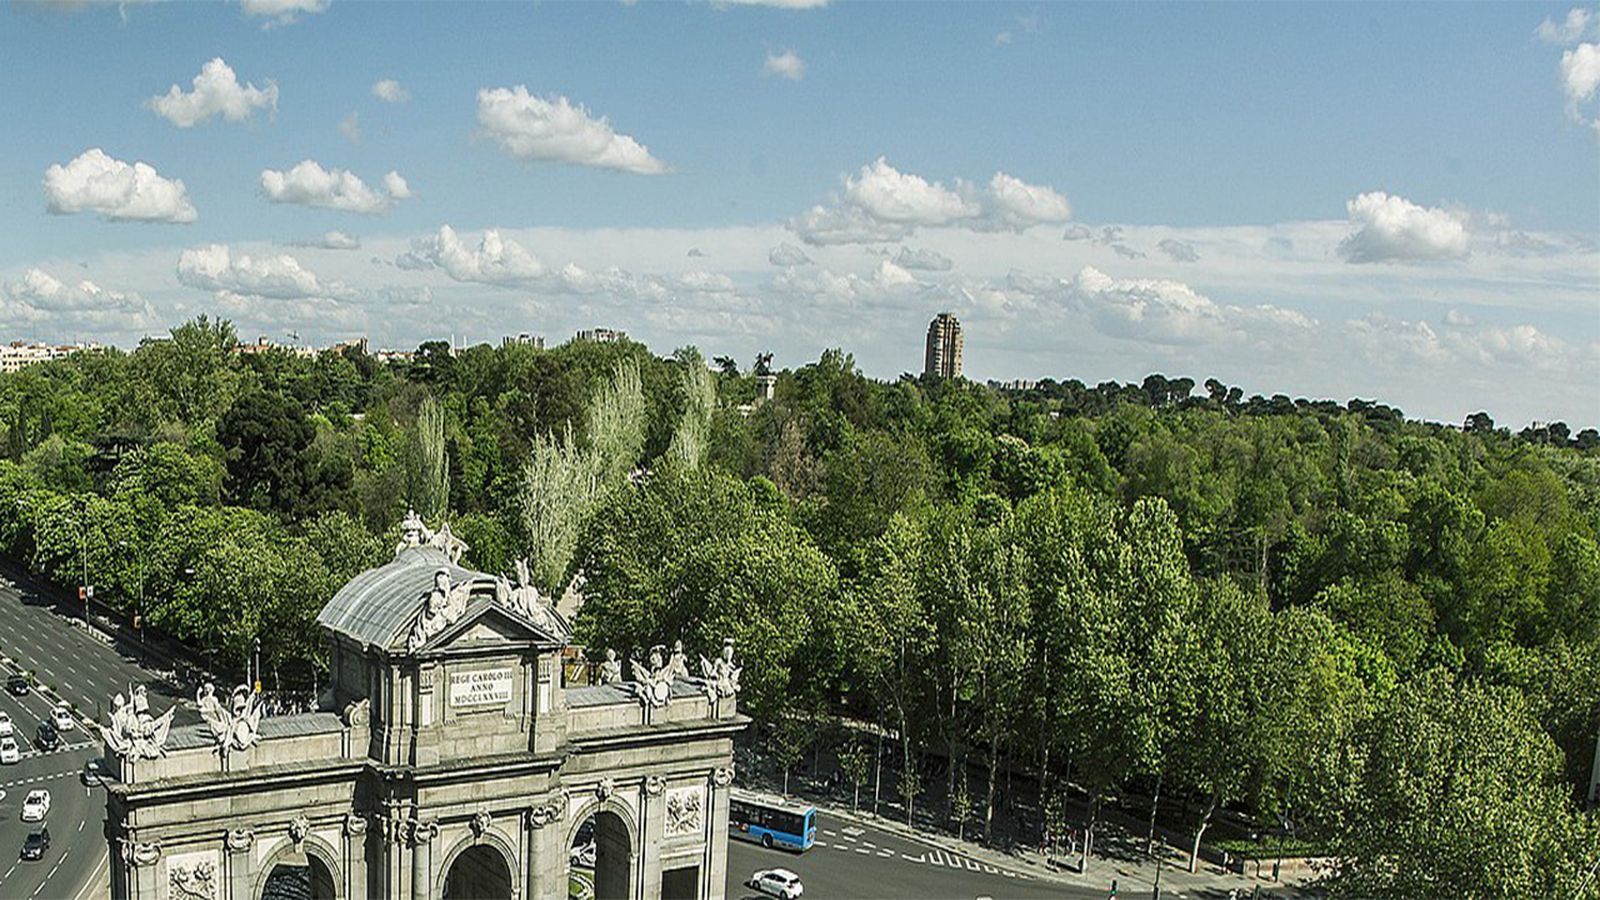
<point x="685" y="810"/>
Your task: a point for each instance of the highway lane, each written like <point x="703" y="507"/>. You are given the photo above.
<point x="83" y="667"/>
<point x="854" y="861"/>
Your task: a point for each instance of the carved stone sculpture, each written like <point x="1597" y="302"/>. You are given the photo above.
<point x="198" y="881"/>
<point x="481" y="820"/>
<point x="685" y="810"/>
<point x="655" y="682"/>
<point x="141" y="853"/>
<point x="721" y="675"/>
<point x="357" y="713"/>
<point x="722" y="776"/>
<point x="611" y="669"/>
<point x="654" y="785"/>
<point x="416" y="533"/>
<point x="441" y="608"/>
<point x="236" y="726"/>
<point x="542" y="814"/>
<point x="678" y="663"/>
<point x="355" y="824"/>
<point x="239" y="840"/>
<point x="420" y="832"/>
<point x="299" y="828"/>
<point x="133" y="732"/>
<point x="604" y="789"/>
<point x="524" y="599"/>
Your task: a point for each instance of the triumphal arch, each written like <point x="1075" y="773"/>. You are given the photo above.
<point x="449" y="759"/>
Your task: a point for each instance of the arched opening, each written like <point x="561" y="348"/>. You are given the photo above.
<point x="299" y="876"/>
<point x="479" y="873"/>
<point x="601" y="859"/>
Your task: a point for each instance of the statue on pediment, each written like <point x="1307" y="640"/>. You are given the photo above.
<point x="655" y="681"/>
<point x="415" y="533"/>
<point x="441" y="608"/>
<point x="525" y="600"/>
<point x="134" y="733"/>
<point x="236" y="726"/>
<point x="611" y="669"/>
<point x="721" y="676"/>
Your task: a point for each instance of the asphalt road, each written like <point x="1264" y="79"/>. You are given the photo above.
<point x="85" y="668"/>
<point x="854" y="861"/>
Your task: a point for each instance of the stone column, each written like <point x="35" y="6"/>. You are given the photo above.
<point x="239" y="875"/>
<point x="652" y="828"/>
<point x="355" y="856"/>
<point x="546" y="872"/>
<point x="422" y="845"/>
<point x="716" y="868"/>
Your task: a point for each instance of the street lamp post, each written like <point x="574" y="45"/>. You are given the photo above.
<point x="255" y="682"/>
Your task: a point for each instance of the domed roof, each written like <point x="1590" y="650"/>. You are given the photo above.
<point x="377" y="606"/>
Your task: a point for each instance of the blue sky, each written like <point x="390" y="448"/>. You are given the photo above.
<point x="1228" y="143"/>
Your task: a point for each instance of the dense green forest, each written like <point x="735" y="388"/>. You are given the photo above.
<point x="1387" y="630"/>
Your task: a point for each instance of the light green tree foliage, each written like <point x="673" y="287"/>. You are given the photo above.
<point x="168" y="474"/>
<point x="691" y="439"/>
<point x="616" y="423"/>
<point x="699" y="556"/>
<point x="1458" y="794"/>
<point x="430" y="475"/>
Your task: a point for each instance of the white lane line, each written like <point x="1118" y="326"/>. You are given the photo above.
<point x="864" y="851"/>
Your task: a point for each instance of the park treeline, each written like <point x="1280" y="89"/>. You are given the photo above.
<point x="1384" y="632"/>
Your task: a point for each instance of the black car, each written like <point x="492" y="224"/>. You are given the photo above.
<point x="94" y="773"/>
<point x="36" y="844"/>
<point x="47" y="738"/>
<point x="18" y="685"/>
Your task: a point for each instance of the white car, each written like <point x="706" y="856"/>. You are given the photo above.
<point x="780" y="883"/>
<point x="583" y="856"/>
<point x="36" y="806"/>
<point x="7" y="727"/>
<point x="8" y="751"/>
<point x="61" y="717"/>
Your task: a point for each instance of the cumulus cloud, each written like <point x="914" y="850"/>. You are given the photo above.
<point x="1178" y="251"/>
<point x="216" y="92"/>
<point x="215" y="267"/>
<point x="1393" y="229"/>
<point x="332" y="240"/>
<point x="41" y="293"/>
<point x="787" y="64"/>
<point x="1568" y="31"/>
<point x="923" y="260"/>
<point x="495" y="260"/>
<point x="882" y="203"/>
<point x="115" y="190"/>
<point x="1461" y="340"/>
<point x="538" y="129"/>
<point x="787" y="254"/>
<point x="280" y="12"/>
<point x="1580" y="75"/>
<point x="308" y="184"/>
<point x="389" y="91"/>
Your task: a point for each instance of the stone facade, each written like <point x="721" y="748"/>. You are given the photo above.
<point x="462" y="767"/>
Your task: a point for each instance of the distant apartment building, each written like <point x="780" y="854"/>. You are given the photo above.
<point x="262" y="345"/>
<point x="536" y="341"/>
<point x="602" y="335"/>
<point x="943" y="356"/>
<point x="387" y="355"/>
<point x="1015" y="384"/>
<point x="18" y="354"/>
<point x="357" y="344"/>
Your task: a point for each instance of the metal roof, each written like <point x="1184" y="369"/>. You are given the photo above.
<point x="377" y="606"/>
<point x="189" y="737"/>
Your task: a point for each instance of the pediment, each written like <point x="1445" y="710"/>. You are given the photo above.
<point x="486" y="623"/>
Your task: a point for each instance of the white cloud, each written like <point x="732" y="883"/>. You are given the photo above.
<point x="281" y="12"/>
<point x="787" y="64"/>
<point x="214" y="267"/>
<point x="787" y="254"/>
<point x="389" y="91"/>
<point x="332" y="240"/>
<point x="1012" y="203"/>
<point x="308" y="184"/>
<point x="117" y="191"/>
<point x="495" y="260"/>
<point x="881" y="203"/>
<point x="924" y="260"/>
<point x="1393" y="229"/>
<point x="42" y="293"/>
<point x="1580" y="73"/>
<point x="350" y="127"/>
<point x="533" y="128"/>
<point x="216" y="92"/>
<point x="1568" y="31"/>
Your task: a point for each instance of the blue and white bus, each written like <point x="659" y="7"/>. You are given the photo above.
<point x="771" y="822"/>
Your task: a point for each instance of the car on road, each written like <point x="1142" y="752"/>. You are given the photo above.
<point x="94" y="773"/>
<point x="9" y="753"/>
<point x="18" y="685"/>
<point x="582" y="855"/>
<point x="61" y="717"/>
<point x="47" y="738"/>
<point x="37" y="843"/>
<point x="7" y="727"/>
<point x="36" y="806"/>
<point x="780" y="883"/>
